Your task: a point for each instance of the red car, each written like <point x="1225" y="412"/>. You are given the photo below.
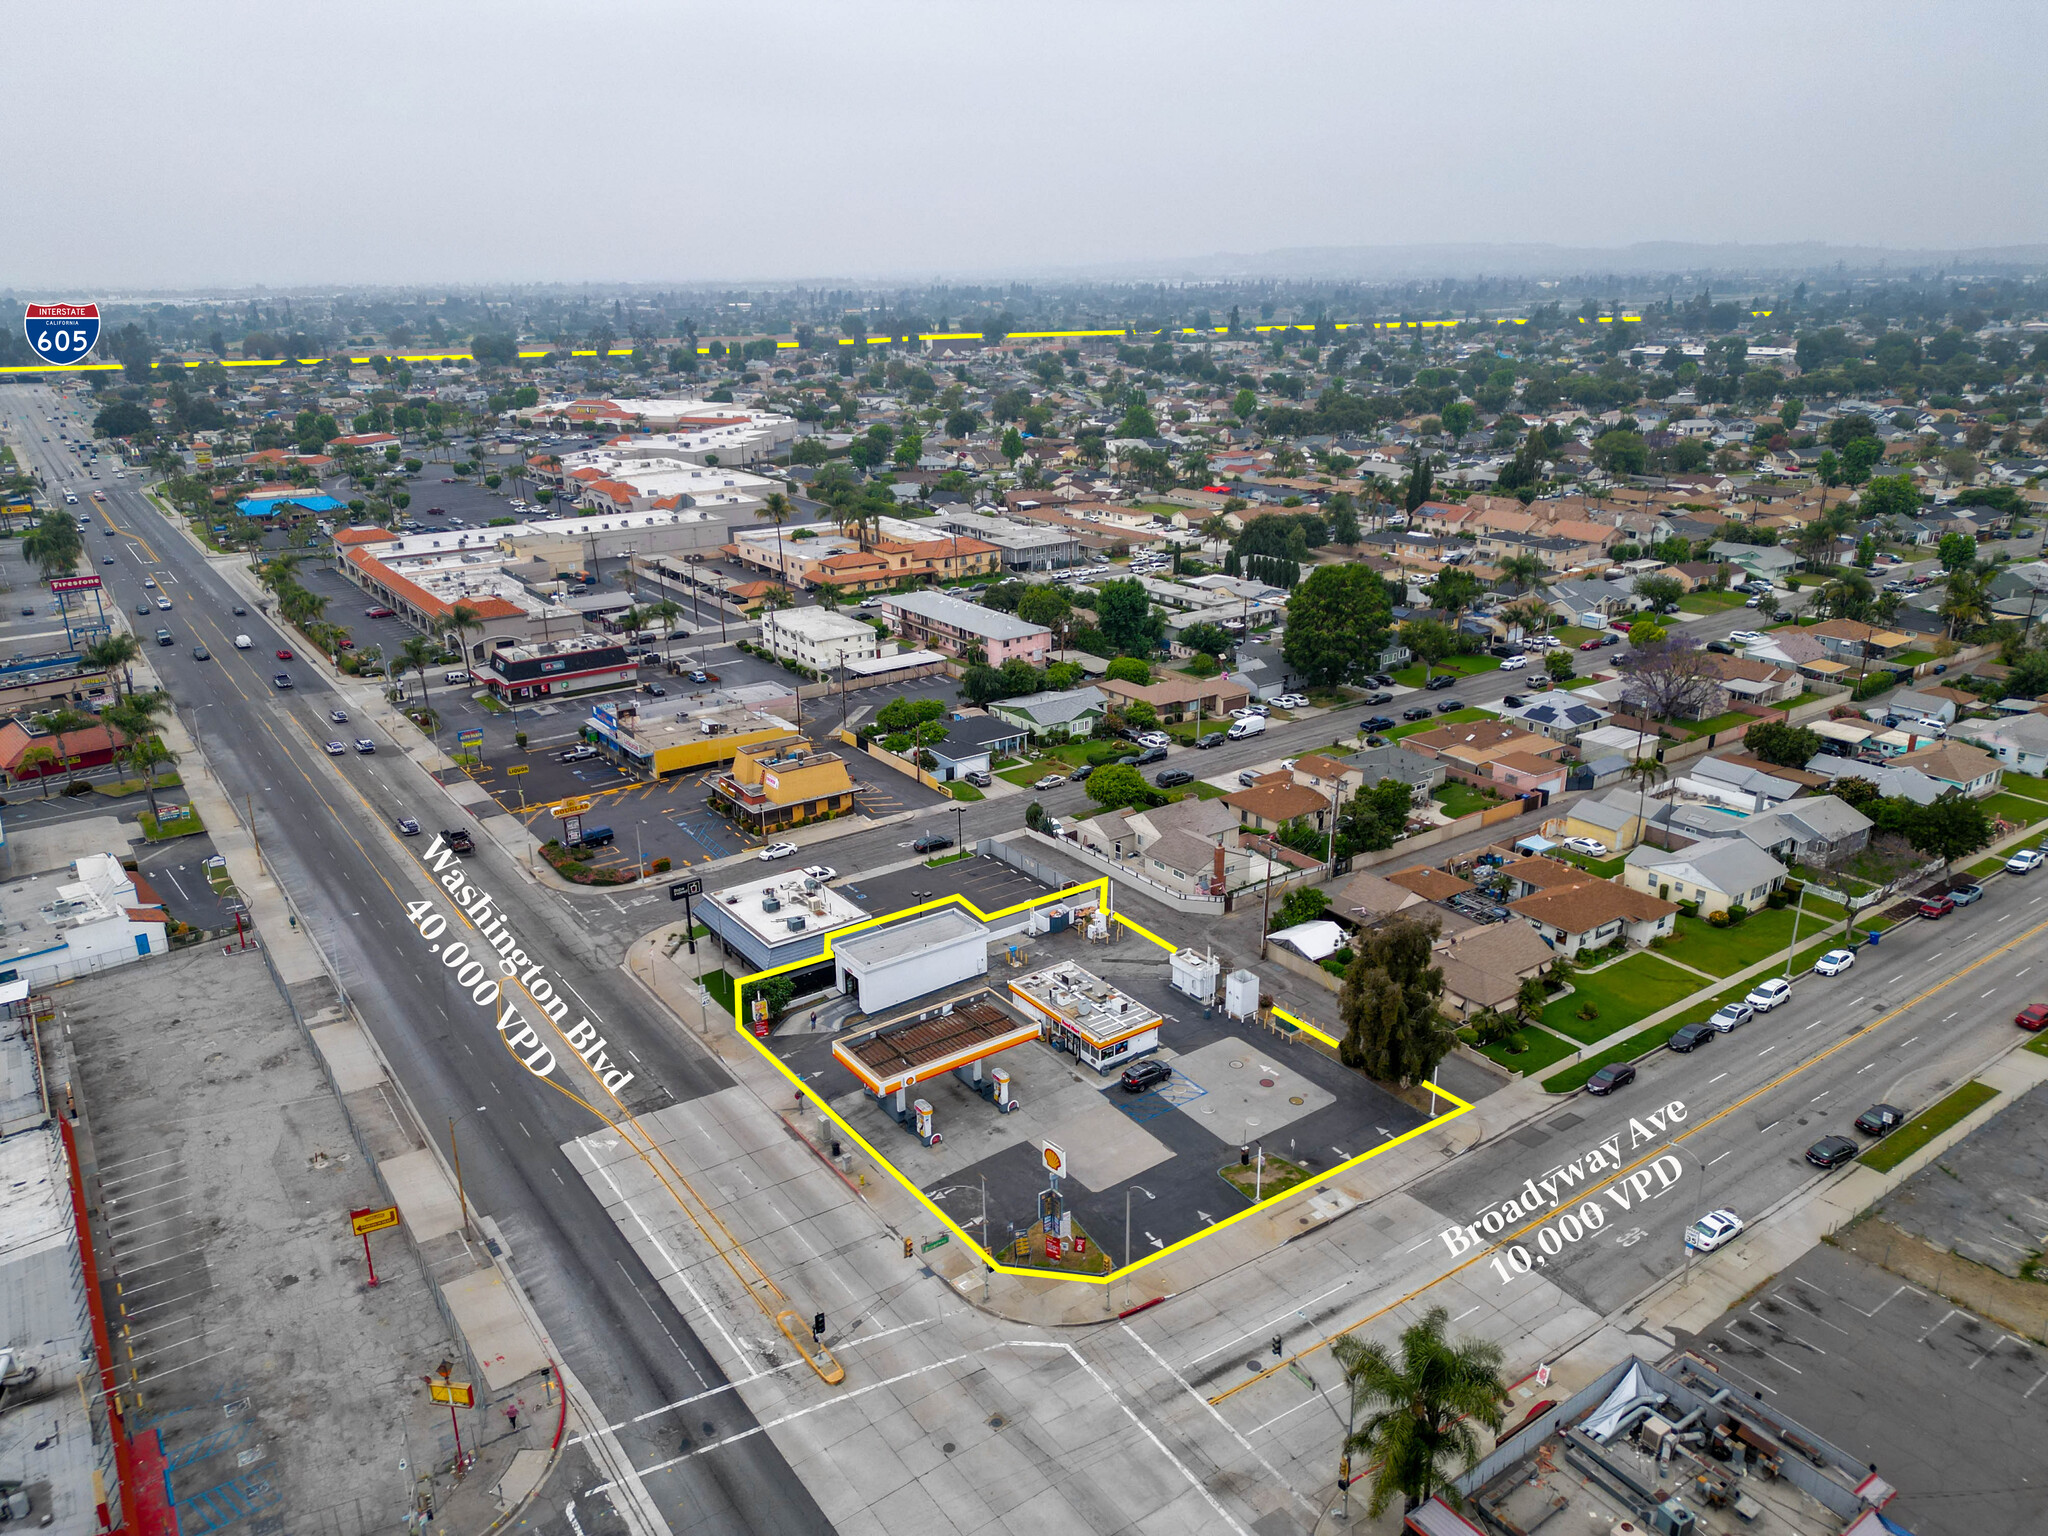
<point x="1622" y="625"/>
<point x="1589" y="645"/>
<point x="1937" y="906"/>
<point x="347" y="645"/>
<point x="283" y="654"/>
<point x="378" y="613"/>
<point x="2033" y="1017"/>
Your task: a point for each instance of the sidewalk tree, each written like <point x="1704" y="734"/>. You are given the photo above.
<point x="1430" y="639"/>
<point x="1950" y="828"/>
<point x="416" y="655"/>
<point x="1388" y="1003"/>
<point x="1560" y="666"/>
<point x="1121" y="785"/>
<point x="1421" y="1410"/>
<point x="115" y="652"/>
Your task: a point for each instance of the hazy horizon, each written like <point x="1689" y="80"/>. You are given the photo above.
<point x="221" y="145"/>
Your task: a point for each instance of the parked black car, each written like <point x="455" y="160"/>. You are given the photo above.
<point x="1145" y="1074"/>
<point x="1831" y="1151"/>
<point x="1438" y="684"/>
<point x="1881" y="1119"/>
<point x="1615" y="1074"/>
<point x="1378" y="698"/>
<point x="931" y="842"/>
<point x="1080" y="773"/>
<point x="1152" y="755"/>
<point x="1169" y="777"/>
<point x="1212" y="739"/>
<point x="1512" y="700"/>
<point x="1418" y="712"/>
<point x="1448" y="705"/>
<point x="1378" y="722"/>
<point x="1692" y="1037"/>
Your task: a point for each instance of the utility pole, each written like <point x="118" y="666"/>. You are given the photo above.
<point x="455" y="1152"/>
<point x="1796" y="911"/>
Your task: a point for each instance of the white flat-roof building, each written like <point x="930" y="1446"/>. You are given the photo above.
<point x="773" y="921"/>
<point x="698" y="430"/>
<point x="886" y="966"/>
<point x="1079" y="1012"/>
<point x="817" y="637"/>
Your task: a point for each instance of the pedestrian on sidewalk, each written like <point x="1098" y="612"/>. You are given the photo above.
<point x="814" y="1020"/>
<point x="512" y="1413"/>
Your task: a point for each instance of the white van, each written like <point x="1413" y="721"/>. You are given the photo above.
<point x="1251" y="725"/>
<point x="241" y="642"/>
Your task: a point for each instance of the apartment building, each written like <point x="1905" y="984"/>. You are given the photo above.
<point x="952" y="625"/>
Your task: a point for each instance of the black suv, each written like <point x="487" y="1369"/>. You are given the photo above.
<point x="1212" y="739"/>
<point x="1614" y="1075"/>
<point x="1438" y="684"/>
<point x="931" y="842"/>
<point x="1172" y="776"/>
<point x="1831" y="1151"/>
<point x="1692" y="1037"/>
<point x="1152" y="755"/>
<point x="1080" y="773"/>
<point x="1378" y="722"/>
<point x="1145" y="1074"/>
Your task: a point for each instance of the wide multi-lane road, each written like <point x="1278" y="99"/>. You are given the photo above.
<point x="330" y="842"/>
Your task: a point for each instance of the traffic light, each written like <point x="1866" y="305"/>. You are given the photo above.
<point x="909" y="1247"/>
<point x="1276" y="1346"/>
<point x="1344" y="1472"/>
<point x="818" y="1326"/>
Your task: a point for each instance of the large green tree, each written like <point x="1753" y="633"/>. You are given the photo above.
<point x="1951" y="828"/>
<point x="1392" y="1030"/>
<point x="1789" y="746"/>
<point x="1123" y="612"/>
<point x="1336" y="625"/>
<point x="1119" y="784"/>
<point x="1421" y="1410"/>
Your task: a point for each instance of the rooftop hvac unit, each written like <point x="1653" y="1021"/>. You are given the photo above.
<point x="796" y="924"/>
<point x="771" y="903"/>
<point x="810" y="884"/>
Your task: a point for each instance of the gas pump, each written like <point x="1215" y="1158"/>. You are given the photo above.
<point x="1002" y="1096"/>
<point x="924" y="1131"/>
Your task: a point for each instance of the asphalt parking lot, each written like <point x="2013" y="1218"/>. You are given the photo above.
<point x="1984" y="1198"/>
<point x="1842" y="1346"/>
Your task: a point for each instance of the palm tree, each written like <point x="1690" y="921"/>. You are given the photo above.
<point x="1522" y="572"/>
<point x="462" y="619"/>
<point x="62" y="722"/>
<point x="38" y="757"/>
<point x="1964" y="602"/>
<point x="52" y="545"/>
<point x="277" y="570"/>
<point x="667" y="610"/>
<point x="113" y="651"/>
<point x="1645" y="773"/>
<point x="778" y="509"/>
<point x="416" y="655"/>
<point x="1421" y="1408"/>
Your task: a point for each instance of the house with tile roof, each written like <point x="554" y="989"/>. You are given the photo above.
<point x="1592" y="914"/>
<point x="1484" y="966"/>
<point x="1968" y="770"/>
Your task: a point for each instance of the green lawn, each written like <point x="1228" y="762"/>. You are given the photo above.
<point x="1025" y="776"/>
<point x="961" y="790"/>
<point x="1723" y="722"/>
<point x="2038" y="1045"/>
<point x="1724" y="951"/>
<point x="1540" y="1049"/>
<point x="1450" y="666"/>
<point x="1621" y="994"/>
<point x="2016" y="809"/>
<point x="1460" y="799"/>
<point x="1925" y="1126"/>
<point x="1605" y="869"/>
<point x="719" y="984"/>
<point x="1910" y="659"/>
<point x="1578" y="682"/>
<point x="1711" y="602"/>
<point x="1184" y="731"/>
<point x="183" y="826"/>
<point x="1455" y="717"/>
<point x="1574" y="634"/>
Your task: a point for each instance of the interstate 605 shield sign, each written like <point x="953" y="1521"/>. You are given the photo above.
<point x="62" y="333"/>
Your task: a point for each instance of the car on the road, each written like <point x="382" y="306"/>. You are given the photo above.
<point x="201" y="653"/>
<point x="379" y="612"/>
<point x="1378" y="722"/>
<point x="336" y="749"/>
<point x="139" y="608"/>
<point x="931" y="842"/>
<point x="1170" y="777"/>
<point x="365" y="746"/>
<point x="164" y="604"/>
<point x="2025" y="862"/>
<point x="1150" y="755"/>
<point x="284" y="653"/>
<point x="1769" y="994"/>
<point x="2033" y="1017"/>
<point x="107" y="560"/>
<point x="407" y="827"/>
<point x="576" y="754"/>
<point x="1438" y="684"/>
<point x="1080" y="773"/>
<point x="283" y="680"/>
<point x="1514" y="664"/>
<point x="1376" y="699"/>
<point x="1448" y="705"/>
<point x="1746" y="637"/>
<point x="149" y="581"/>
<point x="1155" y="739"/>
<point x="1712" y="1230"/>
<point x="1050" y="781"/>
<point x="1729" y="1015"/>
<point x="1210" y="739"/>
<point x="1834" y="962"/>
<point x="240" y="610"/>
<point x="1831" y="1151"/>
<point x="1880" y="1119"/>
<point x="1417" y="712"/>
<point x="1616" y="1074"/>
<point x="338" y="716"/>
<point x="1611" y="640"/>
<point x="1966" y="894"/>
<point x="1938" y="905"/>
<point x="1591" y="645"/>
<point x="820" y="872"/>
<point x="1691" y="1037"/>
<point x="1145" y="1074"/>
<point x="776" y="851"/>
<point x="1591" y="847"/>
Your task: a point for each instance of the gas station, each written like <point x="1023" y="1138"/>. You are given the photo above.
<point x="895" y="1058"/>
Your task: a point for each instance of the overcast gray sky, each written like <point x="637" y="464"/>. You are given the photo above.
<point x="210" y="143"/>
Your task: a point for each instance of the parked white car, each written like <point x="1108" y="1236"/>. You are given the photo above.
<point x="776" y="851"/>
<point x="1591" y="847"/>
<point x="821" y="872"/>
<point x="1768" y="994"/>
<point x="1729" y="1015"/>
<point x="1155" y="739"/>
<point x="2025" y="862"/>
<point x="1712" y="1230"/>
<point x="1050" y="781"/>
<point x="1514" y="664"/>
<point x="1745" y="637"/>
<point x="1834" y="962"/>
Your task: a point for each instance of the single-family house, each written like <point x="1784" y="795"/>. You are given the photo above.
<point x="973" y="744"/>
<point x="1526" y="876"/>
<point x="1730" y="872"/>
<point x="1890" y="780"/>
<point x="1593" y="914"/>
<point x="2019" y="742"/>
<point x="1524" y="773"/>
<point x="1562" y="719"/>
<point x="1365" y="900"/>
<point x="1069" y="711"/>
<point x="1956" y="766"/>
<point x="1808" y="831"/>
<point x="1615" y="819"/>
<point x="1753" y="681"/>
<point x="1484" y="966"/>
<point x="1273" y="802"/>
<point x="1852" y="640"/>
<point x="1913" y="706"/>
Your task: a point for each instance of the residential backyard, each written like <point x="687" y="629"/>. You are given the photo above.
<point x="1460" y="799"/>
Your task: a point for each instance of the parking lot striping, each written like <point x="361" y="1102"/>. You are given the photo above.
<point x="1787" y="1332"/>
<point x="1987" y="1354"/>
<point x="1951" y="1312"/>
<point x="1507" y="1238"/>
<point x="164" y="1152"/>
<point x="2034" y="1388"/>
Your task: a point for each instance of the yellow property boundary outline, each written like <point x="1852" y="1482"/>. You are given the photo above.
<point x="1101" y="888"/>
<point x="791" y="346"/>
